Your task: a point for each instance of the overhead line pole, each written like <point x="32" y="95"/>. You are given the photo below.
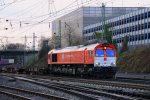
<point x="60" y="33"/>
<point x="103" y="24"/>
<point x="25" y="41"/>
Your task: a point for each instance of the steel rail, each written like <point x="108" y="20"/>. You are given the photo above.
<point x="102" y="82"/>
<point x="80" y="89"/>
<point x="34" y="93"/>
<point x="98" y="82"/>
<point x="14" y="95"/>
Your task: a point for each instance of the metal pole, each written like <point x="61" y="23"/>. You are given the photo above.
<point x="34" y="46"/>
<point x="60" y="33"/>
<point x="103" y="23"/>
<point x="54" y="41"/>
<point x="25" y="41"/>
<point x="33" y="41"/>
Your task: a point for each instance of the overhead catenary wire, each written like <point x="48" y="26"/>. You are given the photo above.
<point x="26" y="10"/>
<point x="31" y="26"/>
<point x="9" y="4"/>
<point x="35" y="17"/>
<point x="3" y="3"/>
<point x="60" y="11"/>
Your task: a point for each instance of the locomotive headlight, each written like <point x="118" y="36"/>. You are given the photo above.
<point x="96" y="63"/>
<point x="113" y="64"/>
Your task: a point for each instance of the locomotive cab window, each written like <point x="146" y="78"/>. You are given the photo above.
<point x="110" y="53"/>
<point x="91" y="53"/>
<point x="54" y="57"/>
<point x="100" y="53"/>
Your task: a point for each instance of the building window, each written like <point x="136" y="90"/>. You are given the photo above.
<point x="95" y="29"/>
<point x="142" y="16"/>
<point x="136" y="18"/>
<point x="119" y="22"/>
<point x="142" y="36"/>
<point x="145" y="26"/>
<point x="89" y="30"/>
<point x="130" y="19"/>
<point x="149" y="14"/>
<point x="135" y="28"/>
<point x="99" y="28"/>
<point x="139" y="27"/>
<point x="117" y="40"/>
<point x="127" y="20"/>
<point x="148" y="35"/>
<point x="127" y="29"/>
<point x="133" y="19"/>
<point x="145" y="36"/>
<point x="124" y="21"/>
<point x="116" y="23"/>
<point x="139" y="17"/>
<point x="92" y="30"/>
<point x="113" y="33"/>
<point x="122" y="30"/>
<point x="136" y="37"/>
<point x="145" y="15"/>
<point x="131" y="29"/>
<point x="133" y="38"/>
<point x="149" y="25"/>
<point x="142" y="26"/>
<point x="119" y="31"/>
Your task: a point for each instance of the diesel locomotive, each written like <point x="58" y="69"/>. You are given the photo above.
<point x="96" y="59"/>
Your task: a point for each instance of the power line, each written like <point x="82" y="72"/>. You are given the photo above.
<point x="9" y="4"/>
<point x="60" y="11"/>
<point x="28" y="9"/>
<point x="31" y="26"/>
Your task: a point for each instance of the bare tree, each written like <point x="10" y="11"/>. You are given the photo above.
<point x="44" y="47"/>
<point x="15" y="46"/>
<point x="71" y="37"/>
<point x="124" y="44"/>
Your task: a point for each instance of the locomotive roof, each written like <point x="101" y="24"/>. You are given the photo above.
<point x="75" y="48"/>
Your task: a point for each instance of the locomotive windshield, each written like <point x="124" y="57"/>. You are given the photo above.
<point x="100" y="53"/>
<point x="110" y="53"/>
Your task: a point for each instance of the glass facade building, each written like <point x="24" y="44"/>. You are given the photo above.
<point x="135" y="25"/>
<point x="85" y="16"/>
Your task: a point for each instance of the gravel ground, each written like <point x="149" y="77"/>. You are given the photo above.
<point x="4" y="97"/>
<point x="29" y="86"/>
<point x="78" y="84"/>
<point x="128" y="90"/>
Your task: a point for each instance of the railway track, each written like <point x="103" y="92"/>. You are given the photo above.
<point x="88" y="88"/>
<point x="14" y="95"/>
<point x="95" y="93"/>
<point x="127" y="83"/>
<point x="27" y="94"/>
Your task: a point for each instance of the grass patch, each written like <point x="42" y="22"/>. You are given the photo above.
<point x="137" y="61"/>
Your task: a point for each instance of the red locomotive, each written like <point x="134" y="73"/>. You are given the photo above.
<point x="94" y="59"/>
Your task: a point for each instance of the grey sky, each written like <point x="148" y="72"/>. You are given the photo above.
<point x="23" y="15"/>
